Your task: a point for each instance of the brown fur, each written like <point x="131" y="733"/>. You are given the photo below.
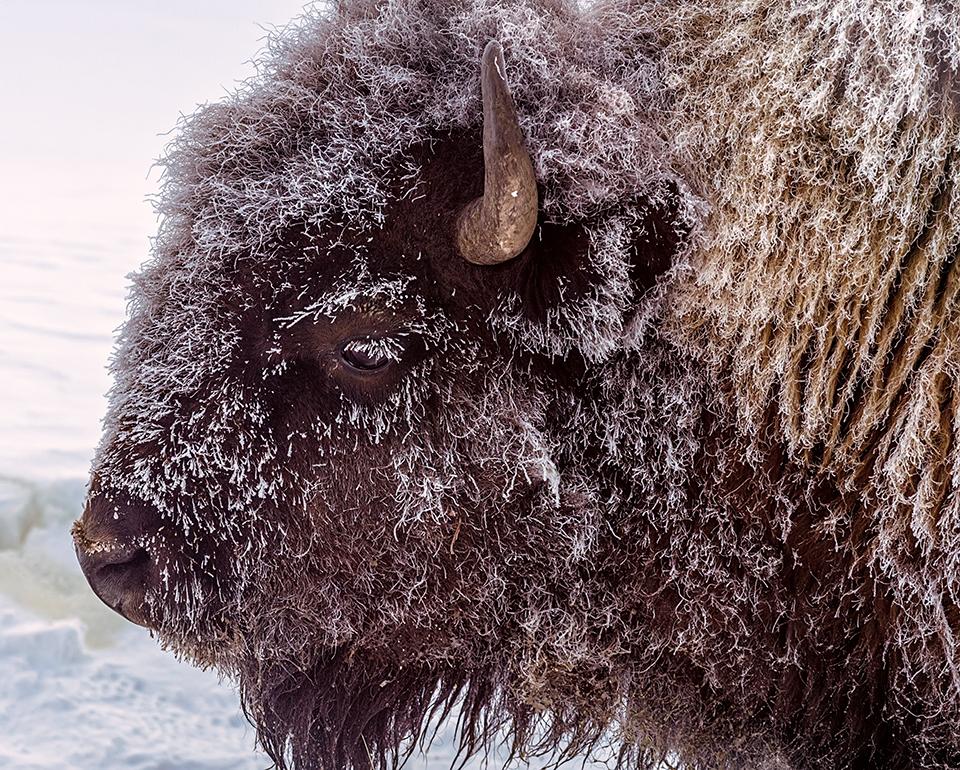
<point x="678" y="481"/>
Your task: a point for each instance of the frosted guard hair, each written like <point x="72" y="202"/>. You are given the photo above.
<point x="675" y="478"/>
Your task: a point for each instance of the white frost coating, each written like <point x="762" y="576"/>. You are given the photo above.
<point x="753" y="474"/>
<point x="378" y="348"/>
<point x="356" y="290"/>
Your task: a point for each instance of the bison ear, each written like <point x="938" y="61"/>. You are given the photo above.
<point x="553" y="268"/>
<point x="569" y="266"/>
<point x="663" y="232"/>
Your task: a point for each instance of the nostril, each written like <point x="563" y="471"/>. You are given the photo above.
<point x="135" y="562"/>
<point x="107" y="539"/>
<point x="122" y="579"/>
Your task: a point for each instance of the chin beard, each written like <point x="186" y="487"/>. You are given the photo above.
<point x="356" y="710"/>
<point x="349" y="710"/>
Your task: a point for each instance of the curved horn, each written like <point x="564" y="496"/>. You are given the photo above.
<point x="498" y="226"/>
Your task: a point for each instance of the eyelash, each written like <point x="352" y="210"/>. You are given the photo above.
<point x="370" y="354"/>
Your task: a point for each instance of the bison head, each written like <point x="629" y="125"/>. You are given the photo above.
<point x="354" y="454"/>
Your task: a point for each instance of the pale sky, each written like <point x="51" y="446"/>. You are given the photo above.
<point x="87" y="88"/>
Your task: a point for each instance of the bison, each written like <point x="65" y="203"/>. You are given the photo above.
<point x="589" y="373"/>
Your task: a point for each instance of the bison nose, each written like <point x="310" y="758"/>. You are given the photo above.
<point x="109" y="539"/>
<point x="120" y="578"/>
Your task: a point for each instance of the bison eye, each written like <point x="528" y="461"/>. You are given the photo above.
<point x="371" y="354"/>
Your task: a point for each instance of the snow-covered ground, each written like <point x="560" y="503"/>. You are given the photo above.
<point x="80" y="688"/>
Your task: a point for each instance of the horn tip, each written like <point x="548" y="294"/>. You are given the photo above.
<point x="493" y="55"/>
<point x="492" y="48"/>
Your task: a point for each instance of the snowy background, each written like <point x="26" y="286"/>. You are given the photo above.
<point x="87" y="90"/>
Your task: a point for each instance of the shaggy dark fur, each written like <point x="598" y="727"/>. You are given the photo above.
<point x="678" y="481"/>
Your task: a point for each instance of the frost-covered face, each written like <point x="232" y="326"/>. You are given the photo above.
<point x="332" y="463"/>
<point x="359" y="400"/>
<point x="359" y="469"/>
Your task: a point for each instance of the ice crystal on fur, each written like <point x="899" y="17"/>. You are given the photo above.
<point x="678" y="481"/>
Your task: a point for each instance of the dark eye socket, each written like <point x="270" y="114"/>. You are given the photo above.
<point x="370" y="354"/>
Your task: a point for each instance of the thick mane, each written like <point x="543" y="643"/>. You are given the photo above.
<point x="825" y="287"/>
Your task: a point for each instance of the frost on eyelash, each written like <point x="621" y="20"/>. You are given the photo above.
<point x="388" y="348"/>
